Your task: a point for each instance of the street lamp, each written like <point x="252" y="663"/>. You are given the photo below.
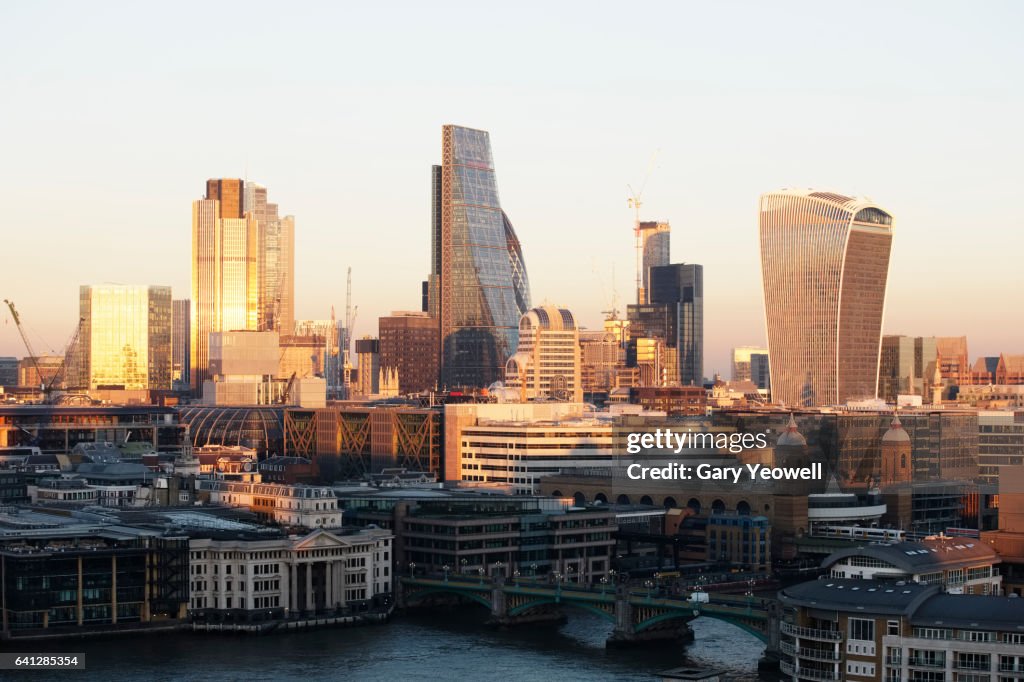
<point x="604" y="583"/>
<point x="481" y="572"/>
<point x="446" y="568"/>
<point x="648" y="584"/>
<point x="515" y="576"/>
<point x="412" y="569"/>
<point x="568" y="577"/>
<point x="533" y="571"/>
<point x="558" y="585"/>
<point x="463" y="562"/>
<point x="498" y="565"/>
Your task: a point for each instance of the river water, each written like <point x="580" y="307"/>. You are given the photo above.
<point x="437" y="645"/>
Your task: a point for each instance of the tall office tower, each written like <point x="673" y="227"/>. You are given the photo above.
<point x="654" y="247"/>
<point x="478" y="288"/>
<point x="125" y="336"/>
<point x="181" y="339"/>
<point x="907" y="367"/>
<point x="824" y="262"/>
<point x="680" y="287"/>
<point x="275" y="262"/>
<point x="224" y="270"/>
<point x="546" y="363"/>
<point x="741" y="361"/>
<point x="409" y="345"/>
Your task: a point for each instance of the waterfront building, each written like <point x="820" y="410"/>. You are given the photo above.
<point x="71" y="579"/>
<point x="181" y="340"/>
<point x="478" y="287"/>
<point x="252" y="575"/>
<point x="654" y="238"/>
<point x="125" y="339"/>
<point x="546" y="363"/>
<point x="839" y="629"/>
<point x="409" y="347"/>
<point x="474" y="533"/>
<point x="824" y="262"/>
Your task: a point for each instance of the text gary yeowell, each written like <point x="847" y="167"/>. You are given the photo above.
<point x="708" y="472"/>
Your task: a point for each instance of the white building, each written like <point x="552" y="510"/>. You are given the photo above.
<point x="518" y="444"/>
<point x="252" y="576"/>
<point x="288" y="505"/>
<point x="546" y="363"/>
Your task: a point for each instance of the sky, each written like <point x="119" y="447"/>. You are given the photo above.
<point x="113" y="115"/>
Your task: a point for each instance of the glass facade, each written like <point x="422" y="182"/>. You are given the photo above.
<point x="654" y="247"/>
<point x="478" y="277"/>
<point x="825" y="261"/>
<point x="126" y="336"/>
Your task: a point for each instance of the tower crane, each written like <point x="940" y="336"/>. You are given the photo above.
<point x="635" y="202"/>
<point x="47" y="387"/>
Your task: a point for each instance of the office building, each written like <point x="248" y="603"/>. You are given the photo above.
<point x="368" y="352"/>
<point x="41" y="370"/>
<point x="760" y="371"/>
<point x="125" y="340"/>
<point x="741" y="359"/>
<point x="953" y="362"/>
<point x="824" y="261"/>
<point x="181" y="340"/>
<point x="409" y="346"/>
<point x="478" y="288"/>
<point x="330" y="357"/>
<point x="1000" y="443"/>
<point x="9" y="372"/>
<point x="654" y="245"/>
<point x="547" y="362"/>
<point x="275" y="261"/>
<point x="908" y="367"/>
<point x="242" y="267"/>
<point x="681" y="287"/>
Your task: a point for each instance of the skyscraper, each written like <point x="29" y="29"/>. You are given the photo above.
<point x="741" y="361"/>
<point x="275" y="262"/>
<point x="242" y="267"/>
<point x="409" y="346"/>
<point x="125" y="337"/>
<point x="824" y="262"/>
<point x="681" y="287"/>
<point x="181" y="340"/>
<point x="654" y="248"/>
<point x="547" y="362"/>
<point x="478" y="287"/>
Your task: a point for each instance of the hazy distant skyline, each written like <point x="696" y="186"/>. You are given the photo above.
<point x="116" y="114"/>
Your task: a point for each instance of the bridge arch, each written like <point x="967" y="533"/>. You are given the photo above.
<point x="479" y="598"/>
<point x="515" y="611"/>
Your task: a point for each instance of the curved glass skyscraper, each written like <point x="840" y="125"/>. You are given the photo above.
<point x="478" y="287"/>
<point x="824" y="262"/>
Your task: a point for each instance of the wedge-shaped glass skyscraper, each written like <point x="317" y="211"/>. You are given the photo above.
<point x="825" y="261"/>
<point x="478" y="286"/>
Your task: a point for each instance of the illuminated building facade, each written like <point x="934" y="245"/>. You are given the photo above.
<point x="409" y="346"/>
<point x="125" y="339"/>
<point x="478" y="287"/>
<point x="547" y="361"/>
<point x="824" y="261"/>
<point x="654" y="248"/>
<point x="242" y="267"/>
<point x="181" y="340"/>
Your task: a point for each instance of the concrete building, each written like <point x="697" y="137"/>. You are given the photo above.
<point x="908" y="367"/>
<point x="368" y="352"/>
<point x="58" y="429"/>
<point x="125" y="339"/>
<point x="1000" y="443"/>
<point x="409" y="346"/>
<point x="546" y="364"/>
<point x="1008" y="539"/>
<point x="41" y="371"/>
<point x="300" y="506"/>
<point x="824" y="261"/>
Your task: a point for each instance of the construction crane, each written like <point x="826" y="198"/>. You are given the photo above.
<point x="47" y="387"/>
<point x="635" y="202"/>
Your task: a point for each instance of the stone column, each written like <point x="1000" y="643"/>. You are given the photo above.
<point x="308" y="598"/>
<point x="293" y="583"/>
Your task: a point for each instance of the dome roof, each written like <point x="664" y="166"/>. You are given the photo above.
<point x="896" y="432"/>
<point x="791" y="437"/>
<point x="548" y="317"/>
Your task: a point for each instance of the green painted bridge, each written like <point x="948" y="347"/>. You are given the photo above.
<point x="637" y="615"/>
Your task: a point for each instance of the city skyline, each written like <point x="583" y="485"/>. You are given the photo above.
<point x="746" y="122"/>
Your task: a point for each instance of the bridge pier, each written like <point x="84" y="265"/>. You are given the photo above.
<point x="542" y="613"/>
<point x="628" y="616"/>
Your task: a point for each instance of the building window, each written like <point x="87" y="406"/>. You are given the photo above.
<point x="862" y="629"/>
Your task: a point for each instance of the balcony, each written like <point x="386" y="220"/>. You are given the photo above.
<point x="827" y="655"/>
<point x="931" y="663"/>
<point x="808" y="673"/>
<point x="811" y="633"/>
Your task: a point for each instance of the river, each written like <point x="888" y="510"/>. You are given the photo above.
<point x="436" y="645"/>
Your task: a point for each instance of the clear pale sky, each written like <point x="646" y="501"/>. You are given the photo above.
<point x="112" y="116"/>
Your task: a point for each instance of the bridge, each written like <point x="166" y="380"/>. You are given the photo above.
<point x="637" y="615"/>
